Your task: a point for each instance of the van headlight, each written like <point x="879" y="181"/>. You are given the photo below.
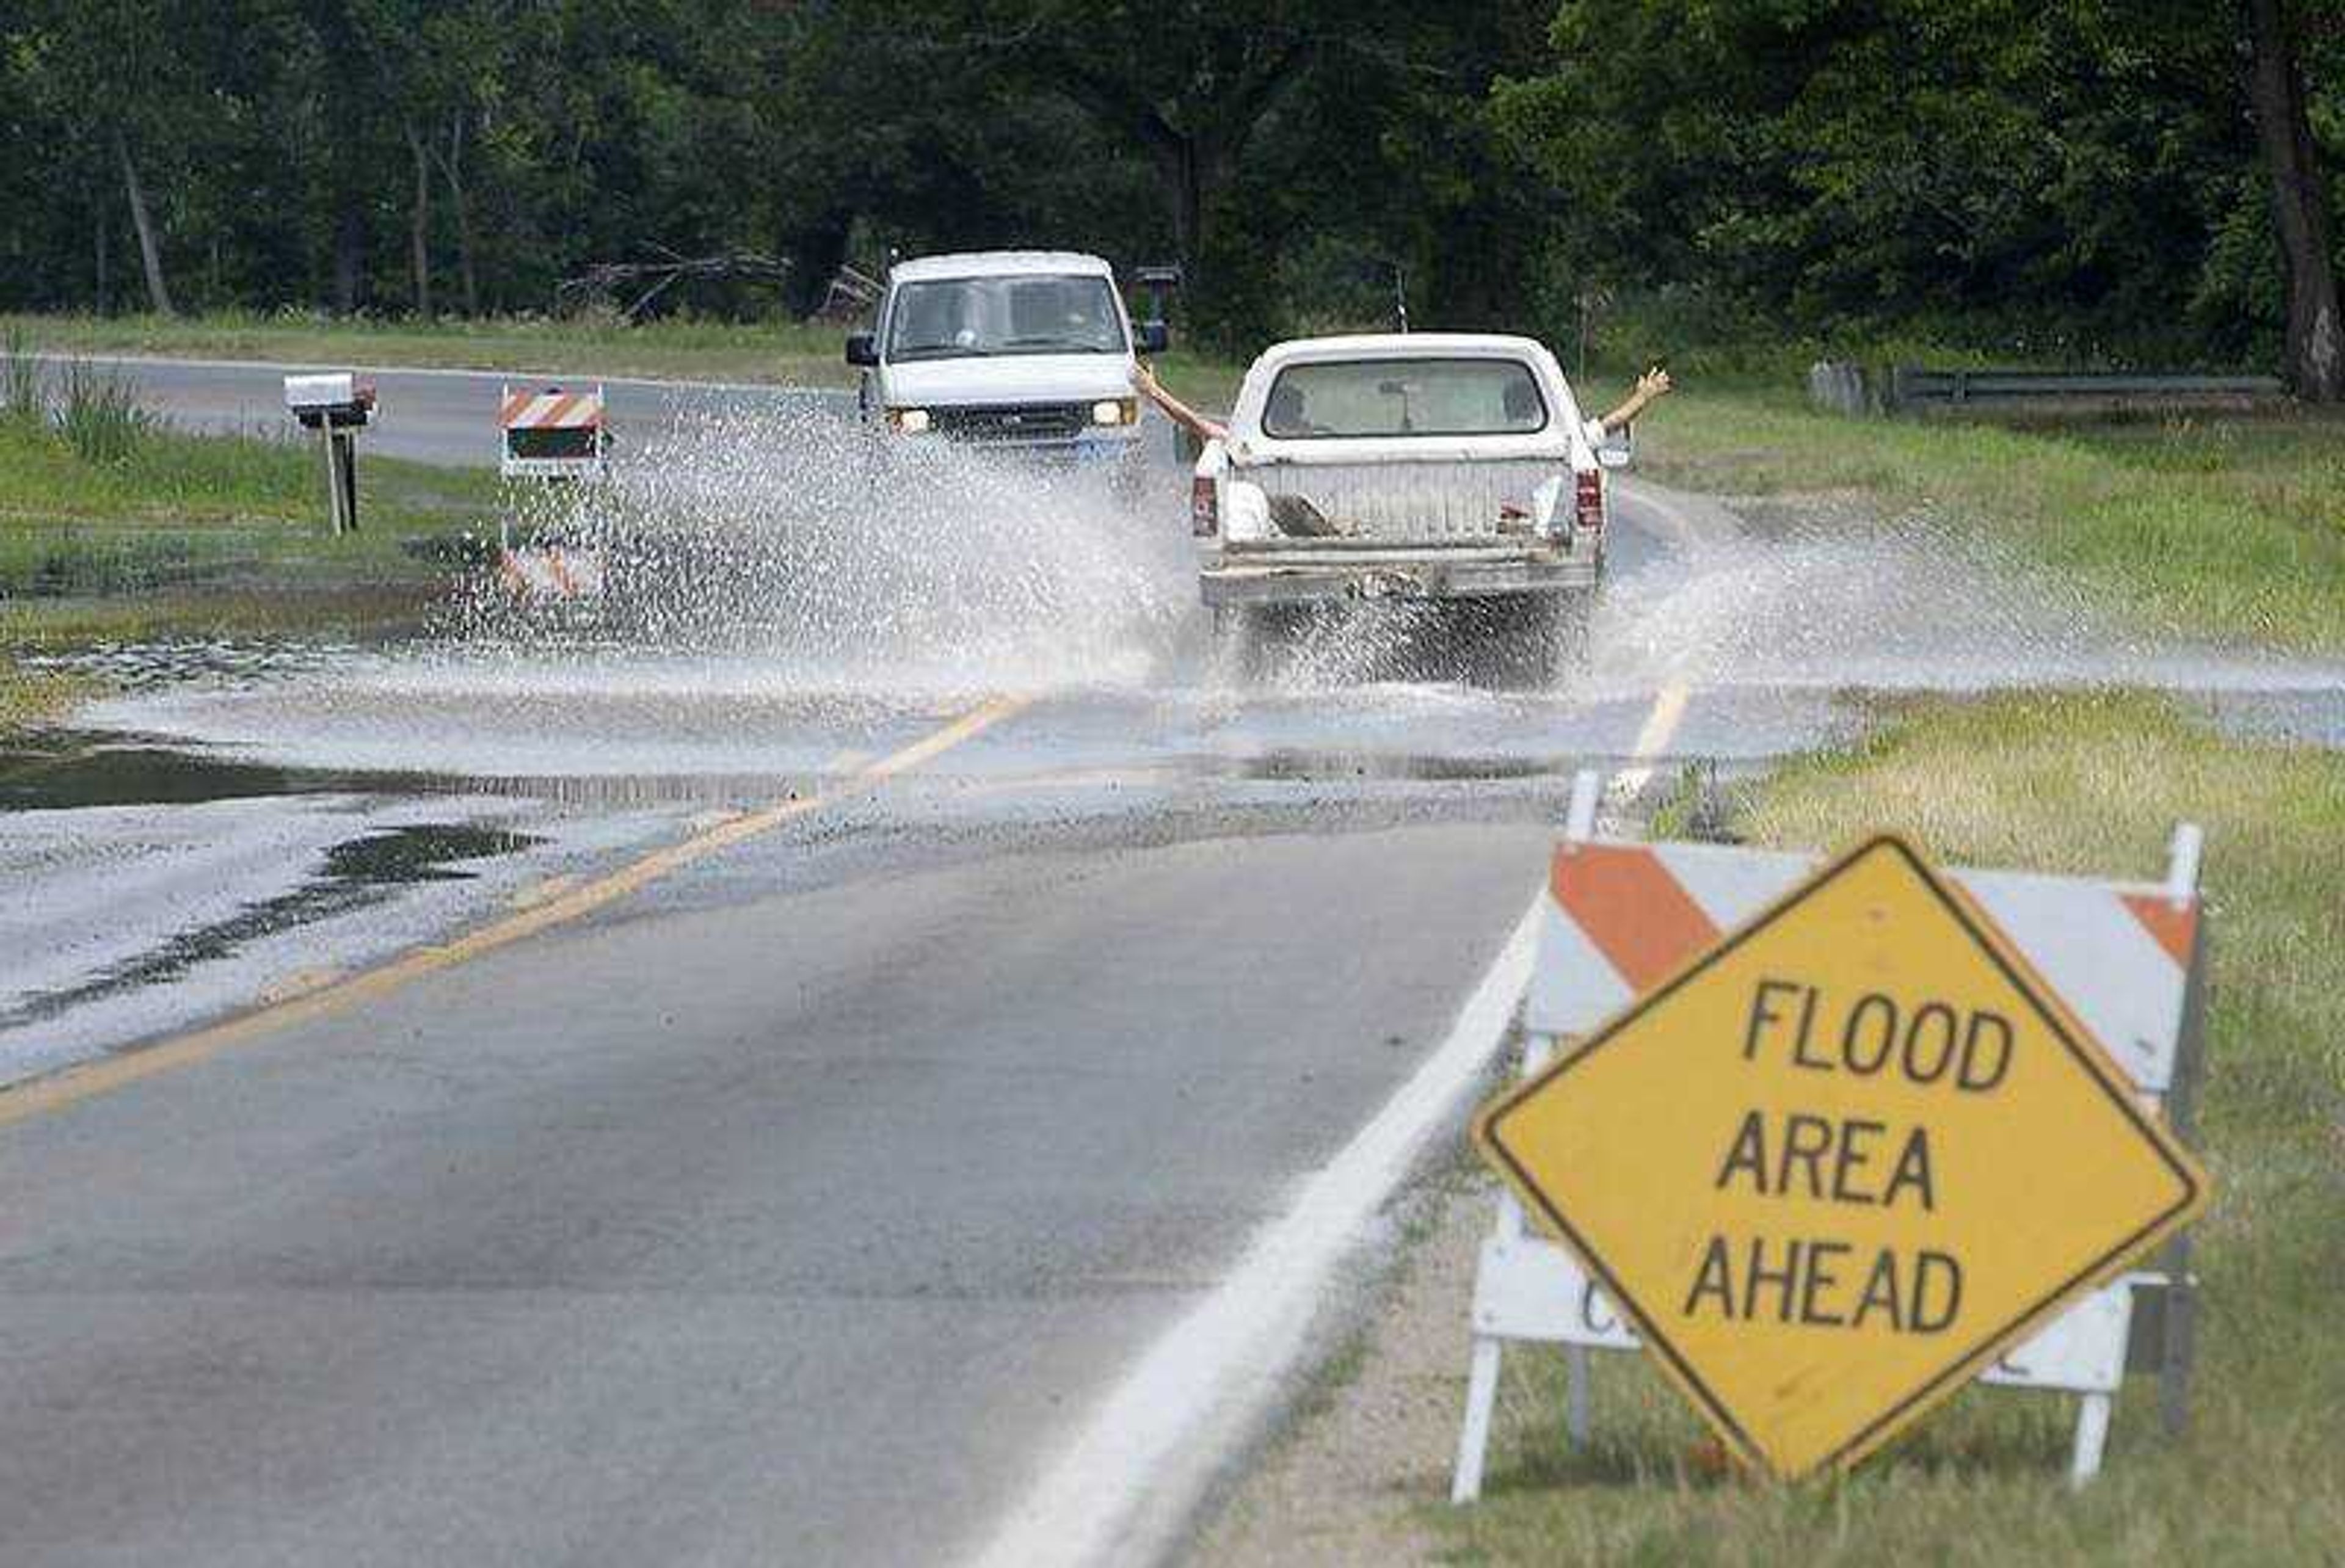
<point x="1116" y="411"/>
<point x="908" y="421"/>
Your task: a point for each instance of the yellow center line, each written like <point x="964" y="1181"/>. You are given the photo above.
<point x="37" y="1096"/>
<point x="1661" y="727"/>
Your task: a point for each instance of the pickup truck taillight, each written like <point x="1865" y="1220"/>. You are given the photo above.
<point x="1205" y="507"/>
<point x="1587" y="496"/>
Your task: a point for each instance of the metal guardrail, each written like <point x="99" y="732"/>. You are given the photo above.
<point x="1911" y="385"/>
<point x="1851" y="388"/>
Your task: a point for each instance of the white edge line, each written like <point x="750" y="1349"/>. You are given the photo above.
<point x="1146" y="1453"/>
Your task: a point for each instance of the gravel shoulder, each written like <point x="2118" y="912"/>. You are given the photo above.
<point x="1366" y="1451"/>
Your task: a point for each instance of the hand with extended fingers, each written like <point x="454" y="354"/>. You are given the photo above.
<point x="1651" y="387"/>
<point x="1145" y="382"/>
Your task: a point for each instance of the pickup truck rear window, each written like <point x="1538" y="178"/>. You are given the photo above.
<point x="1403" y="398"/>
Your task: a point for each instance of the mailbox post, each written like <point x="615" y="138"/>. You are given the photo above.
<point x="337" y="406"/>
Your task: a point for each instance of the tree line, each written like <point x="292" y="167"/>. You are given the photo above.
<point x="2127" y="178"/>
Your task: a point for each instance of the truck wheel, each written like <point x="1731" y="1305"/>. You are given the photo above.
<point x="1245" y="638"/>
<point x="1569" y="616"/>
<point x="1538" y="640"/>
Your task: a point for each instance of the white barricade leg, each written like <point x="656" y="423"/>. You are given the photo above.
<point x="2092" y="1438"/>
<point x="1577" y="1368"/>
<point x="1482" y="1380"/>
<point x="2093" y="1412"/>
<point x="1473" y="1440"/>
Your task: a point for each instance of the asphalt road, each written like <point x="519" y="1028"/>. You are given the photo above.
<point x="801" y="1205"/>
<point x="728" y="1227"/>
<point x="798" y="1207"/>
<point x="446" y="416"/>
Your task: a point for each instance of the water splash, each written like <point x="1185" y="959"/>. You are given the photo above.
<point x="1798" y="601"/>
<point x="841" y="559"/>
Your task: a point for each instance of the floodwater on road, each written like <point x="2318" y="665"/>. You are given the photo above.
<point x="788" y="605"/>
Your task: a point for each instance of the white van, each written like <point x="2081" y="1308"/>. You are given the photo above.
<point x="1026" y="350"/>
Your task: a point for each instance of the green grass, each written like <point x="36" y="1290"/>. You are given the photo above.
<point x="2076" y="783"/>
<point x="2225" y="527"/>
<point x="161" y="530"/>
<point x="1199" y="380"/>
<point x="30" y="697"/>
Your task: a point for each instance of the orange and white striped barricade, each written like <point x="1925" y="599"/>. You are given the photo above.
<point x="2127" y="957"/>
<point x="559" y="436"/>
<point x="551" y="434"/>
<point x="549" y="570"/>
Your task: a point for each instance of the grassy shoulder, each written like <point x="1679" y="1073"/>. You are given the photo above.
<point x="786" y="353"/>
<point x="152" y="532"/>
<point x="30" y="697"/>
<point x="2229" y="527"/>
<point x="2078" y="782"/>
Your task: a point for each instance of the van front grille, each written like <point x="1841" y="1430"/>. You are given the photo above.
<point x="1014" y="422"/>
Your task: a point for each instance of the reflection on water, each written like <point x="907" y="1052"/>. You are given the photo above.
<point x="200" y="661"/>
<point x="357" y="873"/>
<point x="69" y="769"/>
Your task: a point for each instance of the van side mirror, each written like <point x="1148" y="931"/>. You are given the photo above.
<point x="1150" y="337"/>
<point x="862" y="348"/>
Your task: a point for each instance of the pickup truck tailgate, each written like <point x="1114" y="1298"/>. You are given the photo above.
<point x="1421" y="503"/>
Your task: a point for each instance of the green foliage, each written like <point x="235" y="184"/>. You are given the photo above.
<point x="2065" y="180"/>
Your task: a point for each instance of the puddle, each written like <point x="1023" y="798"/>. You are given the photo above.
<point x="61" y="770"/>
<point x="1296" y="766"/>
<point x="235" y="662"/>
<point x="357" y="873"/>
<point x="69" y="769"/>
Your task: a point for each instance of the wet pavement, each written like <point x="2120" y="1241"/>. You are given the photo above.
<point x="508" y="749"/>
<point x="855" y="1160"/>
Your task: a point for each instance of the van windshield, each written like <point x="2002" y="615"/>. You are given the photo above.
<point x="1404" y="397"/>
<point x="953" y="318"/>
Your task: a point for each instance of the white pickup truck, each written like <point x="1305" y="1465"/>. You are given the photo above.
<point x="1429" y="466"/>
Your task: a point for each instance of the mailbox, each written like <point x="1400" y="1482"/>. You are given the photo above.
<point x="337" y="402"/>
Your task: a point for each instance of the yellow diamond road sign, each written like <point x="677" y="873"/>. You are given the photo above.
<point x="1842" y="1160"/>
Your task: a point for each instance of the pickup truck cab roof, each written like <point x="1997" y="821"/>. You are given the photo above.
<point x="1565" y="433"/>
<point x="1404" y="345"/>
<point x="1000" y="264"/>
